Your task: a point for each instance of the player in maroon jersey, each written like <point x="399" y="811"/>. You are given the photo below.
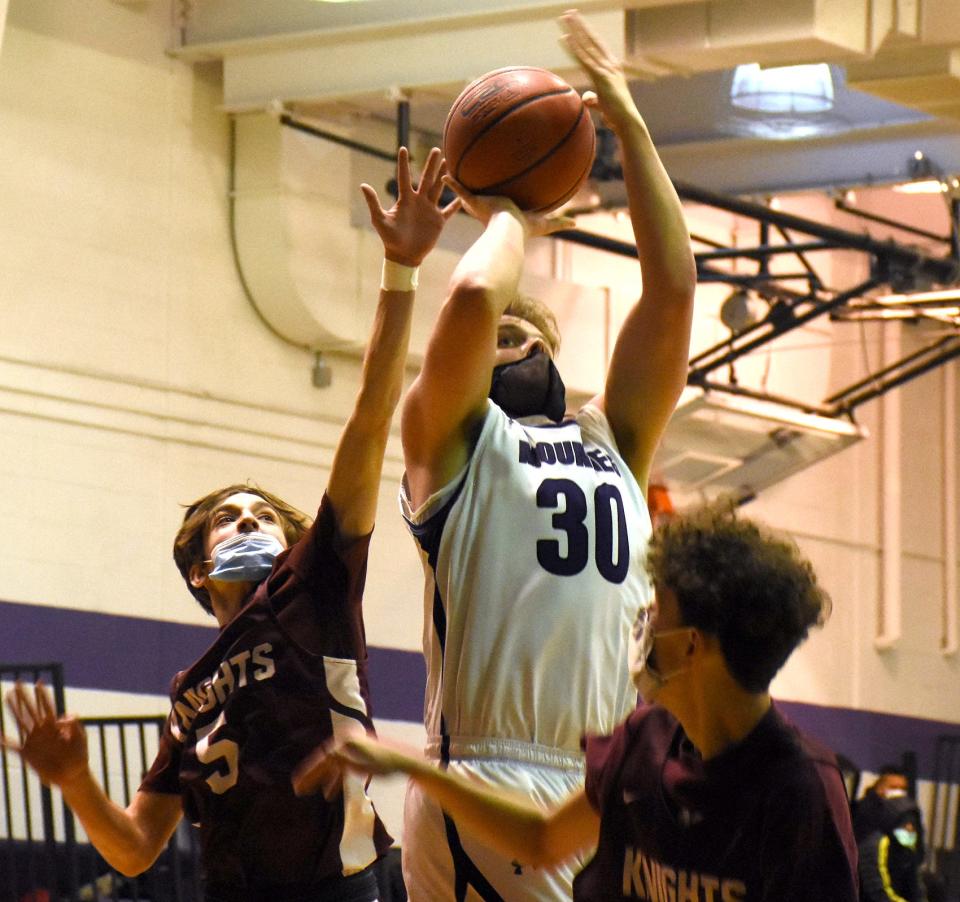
<point x="288" y="668"/>
<point x="705" y="793"/>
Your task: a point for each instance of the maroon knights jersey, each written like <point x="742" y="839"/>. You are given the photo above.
<point x="765" y="821"/>
<point x="285" y="675"/>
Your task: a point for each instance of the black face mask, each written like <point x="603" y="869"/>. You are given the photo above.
<point x="528" y="387"/>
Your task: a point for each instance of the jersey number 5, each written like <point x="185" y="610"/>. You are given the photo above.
<point x="612" y="548"/>
<point x="226" y="750"/>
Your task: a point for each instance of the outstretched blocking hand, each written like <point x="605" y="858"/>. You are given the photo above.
<point x="483" y="206"/>
<point x="55" y="747"/>
<point x="411" y="227"/>
<point x="612" y="96"/>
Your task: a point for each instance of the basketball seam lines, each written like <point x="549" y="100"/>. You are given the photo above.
<point x="503" y="116"/>
<point x="583" y="175"/>
<point x="473" y="86"/>
<point x="492" y="189"/>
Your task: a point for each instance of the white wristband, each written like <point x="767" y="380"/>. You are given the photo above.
<point x="397" y="277"/>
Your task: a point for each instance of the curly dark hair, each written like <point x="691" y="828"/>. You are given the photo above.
<point x="742" y="583"/>
<point x="188" y="546"/>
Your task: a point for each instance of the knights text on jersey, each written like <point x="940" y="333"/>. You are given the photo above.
<point x="765" y="821"/>
<point x="534" y="563"/>
<point x="286" y="674"/>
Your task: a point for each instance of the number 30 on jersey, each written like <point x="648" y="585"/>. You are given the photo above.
<point x="611" y="552"/>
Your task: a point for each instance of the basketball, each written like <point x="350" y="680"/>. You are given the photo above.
<point x="523" y="133"/>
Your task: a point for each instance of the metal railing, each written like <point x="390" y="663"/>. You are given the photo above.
<point x="943" y="843"/>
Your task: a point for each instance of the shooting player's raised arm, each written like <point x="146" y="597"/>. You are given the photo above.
<point x="649" y="364"/>
<point x="446" y="403"/>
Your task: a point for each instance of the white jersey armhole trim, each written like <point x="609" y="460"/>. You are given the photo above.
<point x="440" y="497"/>
<point x="593" y="423"/>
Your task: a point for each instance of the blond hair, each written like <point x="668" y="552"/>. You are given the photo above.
<point x="539" y="315"/>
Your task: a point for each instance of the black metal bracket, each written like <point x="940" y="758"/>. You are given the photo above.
<point x="896" y="266"/>
<point x="308" y="129"/>
<point x="899" y="267"/>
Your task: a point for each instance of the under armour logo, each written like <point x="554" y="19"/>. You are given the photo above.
<point x="517" y="867"/>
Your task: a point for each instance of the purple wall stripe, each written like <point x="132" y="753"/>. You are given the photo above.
<point x="871" y="738"/>
<point x="139" y="655"/>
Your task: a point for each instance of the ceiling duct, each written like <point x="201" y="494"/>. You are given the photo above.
<point x="725" y="445"/>
<point x="926" y="78"/>
<point x="306" y="266"/>
<point x="330" y="52"/>
<point x="699" y="37"/>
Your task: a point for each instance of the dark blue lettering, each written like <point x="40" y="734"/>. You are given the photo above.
<point x="564" y="452"/>
<point x="546" y="453"/>
<point x="602" y="462"/>
<point x="528" y="455"/>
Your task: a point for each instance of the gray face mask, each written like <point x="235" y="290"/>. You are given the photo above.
<point x="247" y="557"/>
<point x="646" y="677"/>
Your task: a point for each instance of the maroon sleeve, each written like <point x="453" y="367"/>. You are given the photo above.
<point x="604" y="756"/>
<point x="164" y="773"/>
<point x="316" y="590"/>
<point x="807" y="850"/>
<point x="322" y="554"/>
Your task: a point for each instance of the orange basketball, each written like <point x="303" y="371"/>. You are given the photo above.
<point x="523" y="133"/>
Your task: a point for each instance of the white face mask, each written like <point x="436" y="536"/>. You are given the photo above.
<point x="647" y="679"/>
<point x="247" y="557"/>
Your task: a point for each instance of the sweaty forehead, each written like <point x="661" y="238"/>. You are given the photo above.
<point x="242" y="499"/>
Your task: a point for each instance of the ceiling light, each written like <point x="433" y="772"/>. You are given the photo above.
<point x="925" y="186"/>
<point x="742" y="310"/>
<point x="782" y="90"/>
<point x="939" y="305"/>
<point x="872" y="314"/>
<point x="783" y="102"/>
<point x="926" y="177"/>
<point x="922" y="298"/>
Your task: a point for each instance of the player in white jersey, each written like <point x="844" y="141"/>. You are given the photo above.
<point x="582" y="578"/>
<point x="533" y="527"/>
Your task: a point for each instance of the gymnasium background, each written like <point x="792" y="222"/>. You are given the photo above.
<point x="136" y="376"/>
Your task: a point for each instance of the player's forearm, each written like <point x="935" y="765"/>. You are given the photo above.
<point x="112" y="830"/>
<point x="492" y="266"/>
<point x="510" y="826"/>
<point x="354" y="482"/>
<point x="663" y="241"/>
<point x="383" y="366"/>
